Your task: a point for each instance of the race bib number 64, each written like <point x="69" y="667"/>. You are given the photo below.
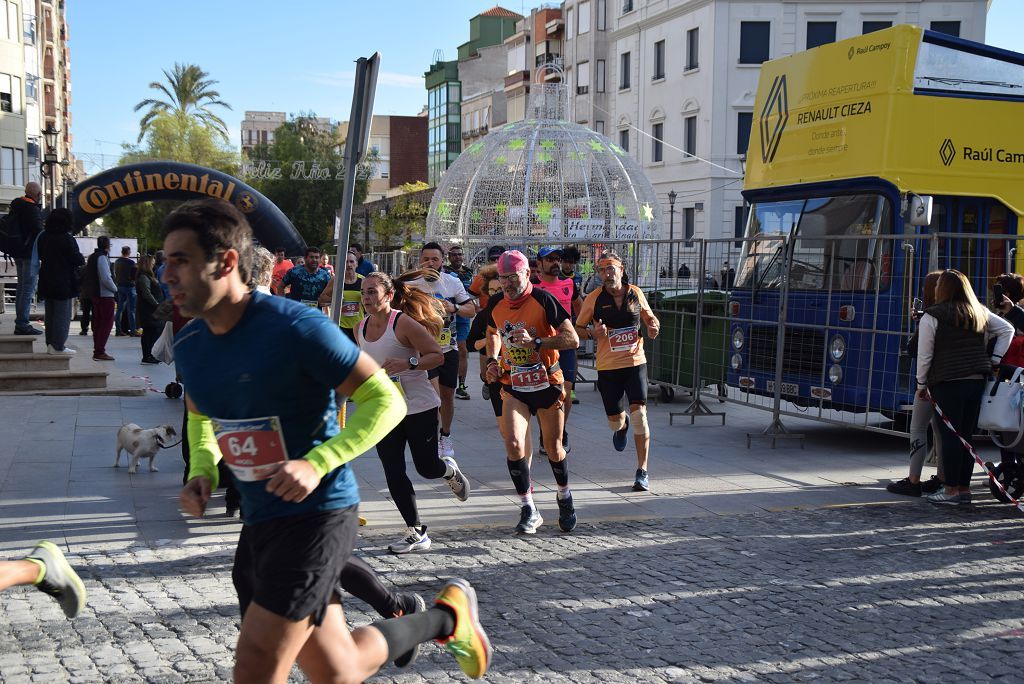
<point x="253" y="448"/>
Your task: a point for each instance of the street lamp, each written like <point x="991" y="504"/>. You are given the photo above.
<point x="671" y="229"/>
<point x="50" y="156"/>
<point x="64" y="164"/>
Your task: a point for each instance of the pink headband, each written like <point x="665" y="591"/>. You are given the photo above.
<point x="512" y="261"/>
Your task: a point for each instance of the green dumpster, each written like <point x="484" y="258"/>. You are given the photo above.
<point x="670" y="356"/>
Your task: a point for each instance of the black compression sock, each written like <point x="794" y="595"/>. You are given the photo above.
<point x="520" y="472"/>
<point x="561" y="471"/>
<point x="404" y="633"/>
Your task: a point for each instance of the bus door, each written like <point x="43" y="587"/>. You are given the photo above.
<point x="980" y="259"/>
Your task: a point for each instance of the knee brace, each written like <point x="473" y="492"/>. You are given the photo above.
<point x="617" y="422"/>
<point x="639" y="418"/>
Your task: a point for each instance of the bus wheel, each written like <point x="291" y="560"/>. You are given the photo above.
<point x="666" y="393"/>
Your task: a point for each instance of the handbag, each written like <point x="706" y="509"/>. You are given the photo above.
<point x="163" y="348"/>
<point x="1001" y="409"/>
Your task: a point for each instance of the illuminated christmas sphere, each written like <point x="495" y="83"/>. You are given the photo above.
<point x="544" y="180"/>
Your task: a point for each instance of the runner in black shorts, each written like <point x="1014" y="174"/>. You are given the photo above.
<point x="528" y="327"/>
<point x="281" y="440"/>
<point x="616" y="310"/>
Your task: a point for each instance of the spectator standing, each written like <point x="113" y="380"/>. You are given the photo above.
<point x="125" y="273"/>
<point x="952" y="364"/>
<point x="160" y="263"/>
<point x="60" y="258"/>
<point x="98" y="284"/>
<point x="727" y="276"/>
<point x="363" y="266"/>
<point x="25" y="213"/>
<point x="150" y="295"/>
<point x="325" y="262"/>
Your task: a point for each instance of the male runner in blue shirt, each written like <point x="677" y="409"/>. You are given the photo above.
<point x="289" y="459"/>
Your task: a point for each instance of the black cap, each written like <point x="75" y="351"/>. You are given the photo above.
<point x="495" y="252"/>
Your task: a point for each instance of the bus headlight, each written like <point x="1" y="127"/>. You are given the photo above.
<point x="837" y="348"/>
<point x="835" y="374"/>
<point x="736" y="361"/>
<point x="737" y="339"/>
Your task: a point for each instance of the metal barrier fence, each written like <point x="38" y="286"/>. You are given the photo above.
<point x="813" y="326"/>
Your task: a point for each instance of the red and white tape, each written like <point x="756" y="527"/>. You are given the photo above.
<point x="149" y="383"/>
<point x="974" y="454"/>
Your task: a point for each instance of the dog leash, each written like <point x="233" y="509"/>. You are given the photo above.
<point x="977" y="459"/>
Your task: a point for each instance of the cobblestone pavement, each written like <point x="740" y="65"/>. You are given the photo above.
<point x="894" y="592"/>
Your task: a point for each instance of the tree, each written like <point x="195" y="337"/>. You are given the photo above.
<point x="170" y="137"/>
<point x="308" y="187"/>
<point x="405" y="217"/>
<point x="190" y="95"/>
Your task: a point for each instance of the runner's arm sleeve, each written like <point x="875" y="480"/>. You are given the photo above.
<point x="381" y="408"/>
<point x="204" y="452"/>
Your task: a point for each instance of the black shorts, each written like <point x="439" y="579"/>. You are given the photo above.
<point x="612" y="384"/>
<point x="550" y="398"/>
<point x="291" y="566"/>
<point x="447" y="373"/>
<point x="495" y="388"/>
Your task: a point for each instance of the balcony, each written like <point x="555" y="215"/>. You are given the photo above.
<point x="517" y="79"/>
<point x="554" y="26"/>
<point x="548" y="58"/>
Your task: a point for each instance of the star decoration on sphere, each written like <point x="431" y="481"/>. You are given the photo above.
<point x="477" y="216"/>
<point x="500" y="160"/>
<point x="545" y="156"/>
<point x="596" y="145"/>
<point x="620" y="210"/>
<point x="500" y="208"/>
<point x="517" y="144"/>
<point x="444" y="209"/>
<point x="617" y="150"/>
<point x="547" y="145"/>
<point x="575" y="156"/>
<point x="544" y="210"/>
<point x="647" y="212"/>
<point x="476" y="147"/>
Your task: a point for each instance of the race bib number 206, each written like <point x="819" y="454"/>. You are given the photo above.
<point x="253" y="448"/>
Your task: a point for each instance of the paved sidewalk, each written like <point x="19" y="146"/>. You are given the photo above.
<point x="740" y="564"/>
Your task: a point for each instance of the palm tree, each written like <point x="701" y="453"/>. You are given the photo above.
<point x="189" y="94"/>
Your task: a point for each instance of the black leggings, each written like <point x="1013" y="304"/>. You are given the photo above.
<point x="419" y="431"/>
<point x="359" y="579"/>
<point x="960" y="400"/>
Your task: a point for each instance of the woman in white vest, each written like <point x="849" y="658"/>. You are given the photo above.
<point x="400" y="333"/>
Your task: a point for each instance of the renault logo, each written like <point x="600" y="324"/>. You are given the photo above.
<point x="947" y="152"/>
<point x="774" y="116"/>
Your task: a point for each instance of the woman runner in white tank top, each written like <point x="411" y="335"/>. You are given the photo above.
<point x="403" y="341"/>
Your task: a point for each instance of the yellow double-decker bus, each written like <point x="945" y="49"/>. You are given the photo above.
<point x="871" y="161"/>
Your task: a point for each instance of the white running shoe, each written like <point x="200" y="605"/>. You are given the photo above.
<point x="414" y="541"/>
<point x="445" y="446"/>
<point x="66" y="351"/>
<point x="458" y="482"/>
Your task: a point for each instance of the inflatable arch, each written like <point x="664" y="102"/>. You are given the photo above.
<point x="167" y="180"/>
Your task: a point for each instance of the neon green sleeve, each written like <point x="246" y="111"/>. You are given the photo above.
<point x="381" y="408"/>
<point x="204" y="452"/>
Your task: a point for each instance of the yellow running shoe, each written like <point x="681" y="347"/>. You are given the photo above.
<point x="362" y="521"/>
<point x="58" y="578"/>
<point x="468" y="643"/>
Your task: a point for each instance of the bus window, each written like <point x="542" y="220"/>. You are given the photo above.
<point x="831" y="247"/>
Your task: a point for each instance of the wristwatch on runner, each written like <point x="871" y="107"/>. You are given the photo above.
<point x="414" y="361"/>
<point x="537" y="342"/>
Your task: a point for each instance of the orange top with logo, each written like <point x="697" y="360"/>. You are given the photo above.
<point x="624" y="346"/>
<point x="540" y="314"/>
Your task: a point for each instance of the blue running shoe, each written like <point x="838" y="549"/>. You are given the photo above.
<point x="566" y="514"/>
<point x="641" y="483"/>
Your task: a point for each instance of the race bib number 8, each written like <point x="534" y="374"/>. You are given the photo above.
<point x="529" y="378"/>
<point x="444" y="338"/>
<point x="253" y="448"/>
<point x="623" y="339"/>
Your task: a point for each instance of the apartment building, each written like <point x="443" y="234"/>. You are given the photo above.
<point x="35" y="97"/>
<point x="673" y="81"/>
<point x="399" y="146"/>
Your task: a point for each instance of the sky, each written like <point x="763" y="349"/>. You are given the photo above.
<point x="286" y="55"/>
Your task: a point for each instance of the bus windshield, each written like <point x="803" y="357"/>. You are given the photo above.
<point x="831" y="243"/>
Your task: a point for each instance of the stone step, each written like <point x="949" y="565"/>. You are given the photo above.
<point x="13" y="363"/>
<point x="17" y="344"/>
<point x="81" y="392"/>
<point x="26" y="381"/>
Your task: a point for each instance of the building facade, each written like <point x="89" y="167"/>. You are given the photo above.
<point x="35" y="96"/>
<point x="673" y="82"/>
<point x="258" y="129"/>
<point x="533" y="55"/>
<point x="398" y="146"/>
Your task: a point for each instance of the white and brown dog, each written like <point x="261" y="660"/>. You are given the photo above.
<point x="141" y="444"/>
